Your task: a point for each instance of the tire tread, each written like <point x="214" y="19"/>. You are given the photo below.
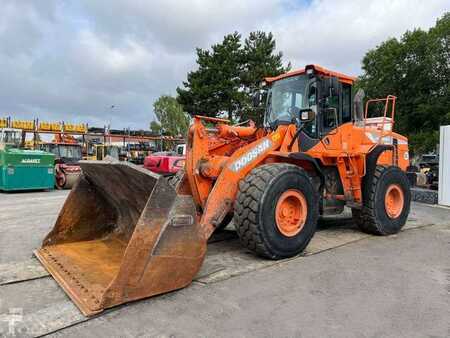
<point x="366" y="218"/>
<point x="246" y="210"/>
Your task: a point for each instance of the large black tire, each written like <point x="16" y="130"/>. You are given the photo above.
<point x="373" y="217"/>
<point x="254" y="210"/>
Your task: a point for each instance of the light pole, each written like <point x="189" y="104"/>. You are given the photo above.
<point x="110" y="121"/>
<point x="110" y="114"/>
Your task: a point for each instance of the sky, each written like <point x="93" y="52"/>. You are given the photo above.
<point x="73" y="60"/>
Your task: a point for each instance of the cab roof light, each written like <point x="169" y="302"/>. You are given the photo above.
<point x="309" y="71"/>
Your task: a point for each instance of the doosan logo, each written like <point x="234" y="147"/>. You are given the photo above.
<point x="31" y="161"/>
<point x="245" y="159"/>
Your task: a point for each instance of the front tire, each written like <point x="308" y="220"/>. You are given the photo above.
<point x="386" y="204"/>
<point x="276" y="210"/>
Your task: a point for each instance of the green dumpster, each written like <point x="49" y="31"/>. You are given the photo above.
<point x="26" y="170"/>
<point x="22" y="169"/>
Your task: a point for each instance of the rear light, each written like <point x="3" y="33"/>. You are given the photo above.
<point x="179" y="163"/>
<point x="70" y="168"/>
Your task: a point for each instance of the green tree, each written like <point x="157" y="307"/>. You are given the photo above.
<point x="155" y="128"/>
<point x="416" y="69"/>
<point x="260" y="61"/>
<point x="229" y="74"/>
<point x="172" y="119"/>
<point x="214" y="87"/>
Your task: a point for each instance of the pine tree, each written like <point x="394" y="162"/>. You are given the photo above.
<point x="229" y="74"/>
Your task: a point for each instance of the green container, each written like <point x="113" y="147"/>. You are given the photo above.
<point x="26" y="169"/>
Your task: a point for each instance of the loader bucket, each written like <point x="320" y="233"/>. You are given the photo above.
<point x="122" y="234"/>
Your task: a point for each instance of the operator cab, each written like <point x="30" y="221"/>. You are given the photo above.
<point x="317" y="99"/>
<point x="64" y="152"/>
<point x="10" y="138"/>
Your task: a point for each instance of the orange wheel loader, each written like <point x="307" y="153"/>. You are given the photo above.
<point x="125" y="233"/>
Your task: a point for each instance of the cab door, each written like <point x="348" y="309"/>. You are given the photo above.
<point x="329" y="118"/>
<point x="309" y="136"/>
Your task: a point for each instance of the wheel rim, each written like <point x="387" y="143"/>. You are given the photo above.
<point x="394" y="201"/>
<point x="291" y="212"/>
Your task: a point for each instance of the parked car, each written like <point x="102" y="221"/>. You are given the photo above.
<point x="165" y="163"/>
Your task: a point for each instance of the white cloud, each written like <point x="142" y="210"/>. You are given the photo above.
<point x="177" y="25"/>
<point x="73" y="60"/>
<point x="337" y="34"/>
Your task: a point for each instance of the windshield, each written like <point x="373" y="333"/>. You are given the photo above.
<point x="67" y="151"/>
<point x="113" y="152"/>
<point x="10" y="137"/>
<point x="285" y="98"/>
<point x="51" y="148"/>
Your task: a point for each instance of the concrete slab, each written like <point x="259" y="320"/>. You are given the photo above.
<point x="21" y="271"/>
<point x="378" y="287"/>
<point x="225" y="260"/>
<point x="333" y="232"/>
<point x="45" y="307"/>
<point x="25" y="219"/>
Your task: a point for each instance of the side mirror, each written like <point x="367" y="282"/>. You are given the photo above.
<point x="256" y="99"/>
<point x="307" y="115"/>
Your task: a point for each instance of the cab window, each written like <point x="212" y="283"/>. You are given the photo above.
<point x="346" y="103"/>
<point x="330" y="113"/>
<point x="310" y="128"/>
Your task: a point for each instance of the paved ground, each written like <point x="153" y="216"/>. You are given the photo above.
<point x="348" y="285"/>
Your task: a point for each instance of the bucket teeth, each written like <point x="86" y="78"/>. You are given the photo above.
<point x="122" y="234"/>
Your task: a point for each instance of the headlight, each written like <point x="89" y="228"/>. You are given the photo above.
<point x="50" y="171"/>
<point x="10" y="170"/>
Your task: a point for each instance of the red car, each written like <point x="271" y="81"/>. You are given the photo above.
<point x="165" y="163"/>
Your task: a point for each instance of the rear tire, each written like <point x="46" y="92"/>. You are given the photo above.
<point x="257" y="210"/>
<point x="386" y="204"/>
